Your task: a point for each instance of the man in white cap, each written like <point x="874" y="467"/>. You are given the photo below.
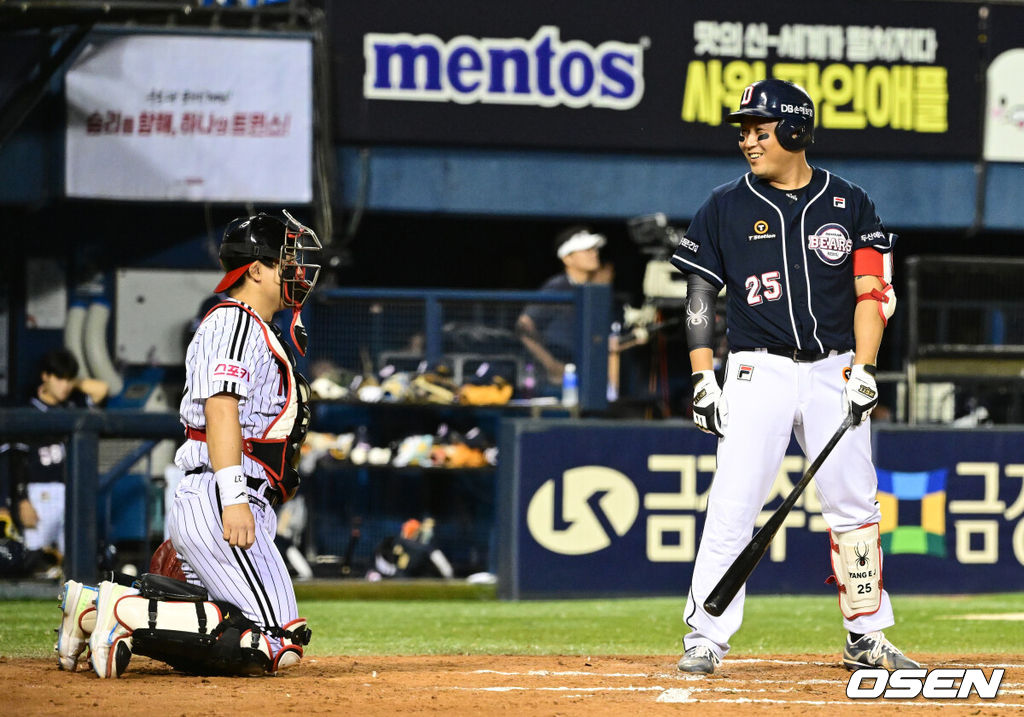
<point x="547" y="330"/>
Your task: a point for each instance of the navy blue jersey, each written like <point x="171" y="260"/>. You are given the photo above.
<point x="39" y="460"/>
<point x="785" y="258"/>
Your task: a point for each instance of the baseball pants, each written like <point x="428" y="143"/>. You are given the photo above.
<point x="768" y="398"/>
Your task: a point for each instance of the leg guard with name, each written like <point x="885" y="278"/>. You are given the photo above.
<point x="857" y="570"/>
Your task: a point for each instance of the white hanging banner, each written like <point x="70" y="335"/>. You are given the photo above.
<point x="210" y="119"/>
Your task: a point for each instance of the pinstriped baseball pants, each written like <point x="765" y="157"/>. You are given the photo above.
<point x="256" y="580"/>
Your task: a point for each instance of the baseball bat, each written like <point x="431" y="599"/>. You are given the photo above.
<point x="751" y="555"/>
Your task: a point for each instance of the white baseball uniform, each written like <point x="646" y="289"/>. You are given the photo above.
<point x="787" y="259"/>
<point x="235" y="351"/>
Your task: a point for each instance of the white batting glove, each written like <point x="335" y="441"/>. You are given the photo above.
<point x="861" y="392"/>
<point x="708" y="413"/>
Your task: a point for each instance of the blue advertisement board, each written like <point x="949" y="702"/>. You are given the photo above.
<point x="593" y="508"/>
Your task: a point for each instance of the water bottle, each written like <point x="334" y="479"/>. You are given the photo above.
<point x="570" y="386"/>
<point x="529" y="381"/>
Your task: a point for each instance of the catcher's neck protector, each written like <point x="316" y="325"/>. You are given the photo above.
<point x="285" y="244"/>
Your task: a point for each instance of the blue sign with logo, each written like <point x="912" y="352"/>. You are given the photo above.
<point x="616" y="508"/>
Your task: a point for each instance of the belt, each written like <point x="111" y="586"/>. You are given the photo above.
<point x="271" y="493"/>
<point x="795" y="354"/>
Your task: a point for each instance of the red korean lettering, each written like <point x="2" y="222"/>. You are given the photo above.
<point x="257" y="124"/>
<point x="112" y="124"/>
<point x="94" y="123"/>
<point x="164" y="123"/>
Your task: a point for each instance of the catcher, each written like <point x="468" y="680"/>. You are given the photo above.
<point x="245" y="414"/>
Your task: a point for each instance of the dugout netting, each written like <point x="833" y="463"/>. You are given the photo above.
<point x="965" y="340"/>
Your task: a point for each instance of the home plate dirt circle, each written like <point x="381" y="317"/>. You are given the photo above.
<point x="489" y="684"/>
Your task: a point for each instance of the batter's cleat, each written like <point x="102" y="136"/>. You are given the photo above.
<point x="700" y="659"/>
<point x="873" y="650"/>
<point x="110" y="645"/>
<point x="75" y="600"/>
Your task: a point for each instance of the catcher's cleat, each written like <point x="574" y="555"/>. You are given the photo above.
<point x="700" y="659"/>
<point x="110" y="645"/>
<point x="873" y="650"/>
<point x="75" y="600"/>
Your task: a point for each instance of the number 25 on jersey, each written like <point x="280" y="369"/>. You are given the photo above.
<point x="765" y="287"/>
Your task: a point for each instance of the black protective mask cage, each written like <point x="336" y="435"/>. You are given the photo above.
<point x="298" y="277"/>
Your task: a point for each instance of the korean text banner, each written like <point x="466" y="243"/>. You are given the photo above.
<point x="887" y="78"/>
<point x="212" y="119"/>
<point x="618" y="509"/>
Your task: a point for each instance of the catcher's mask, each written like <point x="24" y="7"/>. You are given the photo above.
<point x="265" y="238"/>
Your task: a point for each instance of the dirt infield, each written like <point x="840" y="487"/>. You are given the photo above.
<point x="483" y="684"/>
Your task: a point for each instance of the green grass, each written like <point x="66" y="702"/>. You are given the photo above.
<point x="773" y="624"/>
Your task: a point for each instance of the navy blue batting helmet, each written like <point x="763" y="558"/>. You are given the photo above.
<point x="784" y="101"/>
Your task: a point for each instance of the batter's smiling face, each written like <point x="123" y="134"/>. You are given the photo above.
<point x="767" y="159"/>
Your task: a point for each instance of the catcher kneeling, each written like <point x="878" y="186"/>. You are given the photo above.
<point x="171" y="621"/>
<point x="245" y="412"/>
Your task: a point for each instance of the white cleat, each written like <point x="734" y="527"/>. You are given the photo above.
<point x="873" y="650"/>
<point x="110" y="645"/>
<point x="76" y="599"/>
<point x="699" y="659"/>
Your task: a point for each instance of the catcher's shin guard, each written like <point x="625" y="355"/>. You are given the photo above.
<point x="173" y="622"/>
<point x="293" y="636"/>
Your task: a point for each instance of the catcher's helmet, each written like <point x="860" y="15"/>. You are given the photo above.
<point x="784" y="101"/>
<point x="265" y="238"/>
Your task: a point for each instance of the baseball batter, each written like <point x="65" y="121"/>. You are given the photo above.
<point x="806" y="264"/>
<point x="245" y="416"/>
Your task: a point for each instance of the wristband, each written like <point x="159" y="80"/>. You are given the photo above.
<point x="231" y="484"/>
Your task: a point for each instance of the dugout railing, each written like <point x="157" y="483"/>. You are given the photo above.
<point x="82" y="431"/>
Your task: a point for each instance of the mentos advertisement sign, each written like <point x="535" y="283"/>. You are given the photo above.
<point x="886" y="78"/>
<point x="542" y="70"/>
